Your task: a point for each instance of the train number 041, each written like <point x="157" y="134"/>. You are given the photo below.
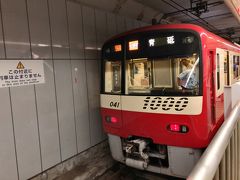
<point x="114" y="104"/>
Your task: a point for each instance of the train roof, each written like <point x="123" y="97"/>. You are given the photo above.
<point x="193" y="27"/>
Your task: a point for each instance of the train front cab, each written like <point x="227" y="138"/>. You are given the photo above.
<point x="152" y="122"/>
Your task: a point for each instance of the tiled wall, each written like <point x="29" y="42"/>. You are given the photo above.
<point x="45" y="124"/>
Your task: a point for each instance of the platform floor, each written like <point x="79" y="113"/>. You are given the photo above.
<point x="116" y="172"/>
<point x="122" y="172"/>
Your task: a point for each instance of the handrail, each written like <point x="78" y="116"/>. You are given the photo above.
<point x="210" y="160"/>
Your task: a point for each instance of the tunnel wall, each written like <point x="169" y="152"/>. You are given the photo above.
<point x="45" y="124"/>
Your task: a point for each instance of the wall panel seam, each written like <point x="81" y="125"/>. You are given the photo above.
<point x="95" y="26"/>
<point x="34" y="87"/>
<point x="54" y="75"/>
<point x="3" y="33"/>
<point x="74" y="113"/>
<point x="70" y="56"/>
<point x="39" y="138"/>
<point x="84" y="53"/>
<point x="86" y="78"/>
<point x="28" y="26"/>
<point x="68" y="35"/>
<point x="54" y="80"/>
<point x="50" y="30"/>
<point x="14" y="136"/>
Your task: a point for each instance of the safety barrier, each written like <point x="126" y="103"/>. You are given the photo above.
<point x="221" y="159"/>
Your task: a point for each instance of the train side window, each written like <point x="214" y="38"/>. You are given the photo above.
<point x="235" y="67"/>
<point x="226" y="70"/>
<point x="112" y="76"/>
<point x="238" y="68"/>
<point x="218" y="71"/>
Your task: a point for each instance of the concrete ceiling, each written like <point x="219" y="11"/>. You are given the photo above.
<point x="213" y="14"/>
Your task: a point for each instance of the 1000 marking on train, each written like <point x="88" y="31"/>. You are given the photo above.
<point x="154" y="103"/>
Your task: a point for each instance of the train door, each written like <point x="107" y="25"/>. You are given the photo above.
<point x="212" y="85"/>
<point x="219" y="81"/>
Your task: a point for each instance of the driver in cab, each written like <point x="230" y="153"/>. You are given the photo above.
<point x="187" y="78"/>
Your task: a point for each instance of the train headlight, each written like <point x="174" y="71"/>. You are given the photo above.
<point x="178" y="128"/>
<point x="188" y="40"/>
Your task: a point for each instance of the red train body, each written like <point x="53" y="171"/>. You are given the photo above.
<point x="142" y="103"/>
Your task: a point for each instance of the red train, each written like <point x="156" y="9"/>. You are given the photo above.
<point x="162" y="94"/>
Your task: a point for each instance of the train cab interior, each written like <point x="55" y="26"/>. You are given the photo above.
<point x="155" y="76"/>
<point x="161" y="75"/>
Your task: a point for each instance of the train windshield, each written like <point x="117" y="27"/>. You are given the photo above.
<point x="112" y="76"/>
<point x="164" y="63"/>
<point x="163" y="76"/>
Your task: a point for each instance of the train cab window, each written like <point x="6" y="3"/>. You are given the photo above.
<point x="188" y="79"/>
<point x="162" y="68"/>
<point x="163" y="76"/>
<point x="112" y="76"/>
<point x="138" y="74"/>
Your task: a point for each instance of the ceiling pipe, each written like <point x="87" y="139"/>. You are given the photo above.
<point x="235" y="10"/>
